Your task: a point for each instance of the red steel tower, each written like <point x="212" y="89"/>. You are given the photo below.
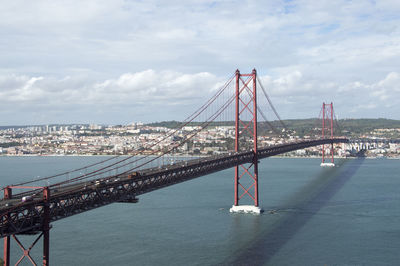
<point x="246" y="175"/>
<point x="45" y="230"/>
<point x="327" y="129"/>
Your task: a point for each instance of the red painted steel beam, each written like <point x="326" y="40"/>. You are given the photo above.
<point x="236" y="201"/>
<point x="327" y="114"/>
<point x="323" y="132"/>
<point x="26" y="251"/>
<point x="249" y="107"/>
<point x="332" y="131"/>
<point x="255" y="137"/>
<point x="7" y="239"/>
<point x="45" y="232"/>
<point x="46" y="226"/>
<point x="30" y="187"/>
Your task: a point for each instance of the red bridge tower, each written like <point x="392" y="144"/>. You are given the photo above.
<point x="327" y="131"/>
<point x="246" y="175"/>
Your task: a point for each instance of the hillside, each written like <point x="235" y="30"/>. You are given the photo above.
<point x="351" y="127"/>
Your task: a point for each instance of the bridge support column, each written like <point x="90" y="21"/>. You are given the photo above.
<point x="7" y="239"/>
<point x="246" y="127"/>
<point x="45" y="233"/>
<point x="46" y="226"/>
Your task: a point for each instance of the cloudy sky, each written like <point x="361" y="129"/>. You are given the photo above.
<point x="123" y="61"/>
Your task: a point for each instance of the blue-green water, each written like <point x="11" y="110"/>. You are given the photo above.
<point x="349" y="215"/>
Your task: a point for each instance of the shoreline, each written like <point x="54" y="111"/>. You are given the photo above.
<point x="187" y="156"/>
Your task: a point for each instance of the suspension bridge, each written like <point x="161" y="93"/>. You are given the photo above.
<point x="27" y="208"/>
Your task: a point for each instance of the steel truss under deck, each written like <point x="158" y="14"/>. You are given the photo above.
<point x="28" y="217"/>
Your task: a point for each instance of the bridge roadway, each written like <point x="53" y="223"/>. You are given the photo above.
<point x="17" y="217"/>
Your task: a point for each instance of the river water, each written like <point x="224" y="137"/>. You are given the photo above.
<point x="346" y="215"/>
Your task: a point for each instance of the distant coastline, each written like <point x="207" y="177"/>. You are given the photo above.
<point x="190" y="156"/>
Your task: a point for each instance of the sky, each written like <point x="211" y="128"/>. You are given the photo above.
<point x="117" y="62"/>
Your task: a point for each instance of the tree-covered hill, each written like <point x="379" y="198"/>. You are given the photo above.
<point x="304" y="126"/>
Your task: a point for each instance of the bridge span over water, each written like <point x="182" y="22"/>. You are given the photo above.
<point x="31" y="212"/>
<point x="19" y="217"/>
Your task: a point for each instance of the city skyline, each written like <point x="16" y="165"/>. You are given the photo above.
<point x="123" y="61"/>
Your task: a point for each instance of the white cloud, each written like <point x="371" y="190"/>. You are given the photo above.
<point x="149" y="86"/>
<point x="153" y="87"/>
<point x="306" y="52"/>
<point x="295" y="95"/>
<point x="144" y="91"/>
<point x="173" y="95"/>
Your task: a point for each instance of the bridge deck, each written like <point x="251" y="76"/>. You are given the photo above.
<point x="18" y="217"/>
